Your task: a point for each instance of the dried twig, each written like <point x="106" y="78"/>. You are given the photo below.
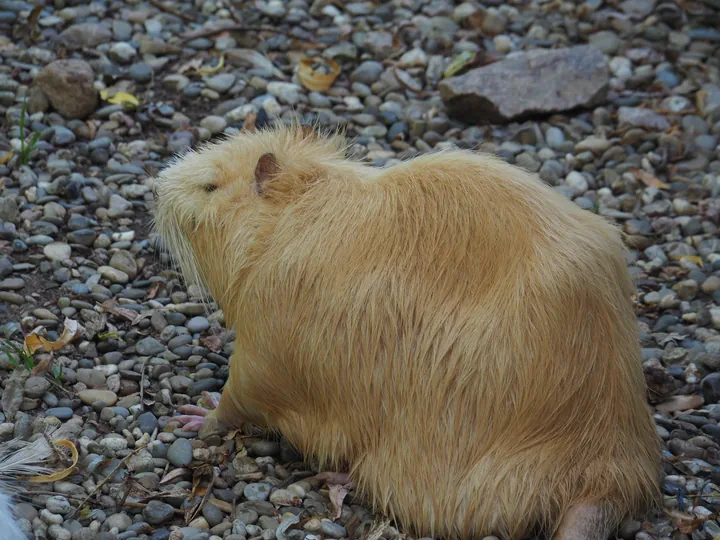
<point x="419" y="92"/>
<point x="245" y="28"/>
<point x="101" y="484"/>
<point x="142" y="385"/>
<point x="208" y="491"/>
<point x="172" y="11"/>
<point x="143" y="505"/>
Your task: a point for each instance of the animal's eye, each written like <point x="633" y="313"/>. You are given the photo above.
<point x="209" y="188"/>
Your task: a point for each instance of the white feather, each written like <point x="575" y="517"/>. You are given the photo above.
<point x="9" y="528"/>
<point x="20" y="458"/>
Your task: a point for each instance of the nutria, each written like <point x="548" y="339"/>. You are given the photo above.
<point x="458" y="332"/>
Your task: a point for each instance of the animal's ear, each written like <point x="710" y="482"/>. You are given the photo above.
<point x="266" y="169"/>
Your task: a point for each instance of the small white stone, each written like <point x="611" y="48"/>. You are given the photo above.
<point x="51" y="519"/>
<point x="113" y="274"/>
<point x="577" y="182"/>
<point x="57" y="251"/>
<point x="502" y="44"/>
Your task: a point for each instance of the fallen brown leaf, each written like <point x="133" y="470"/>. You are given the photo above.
<point x="42" y="366"/>
<point x="680" y="403"/>
<point x="213" y="342"/>
<point x="337" y="496"/>
<point x="175" y="474"/>
<point x="250" y="120"/>
<point x="111" y="306"/>
<point x="222" y="505"/>
<point x="153" y="290"/>
<point x="648" y="179"/>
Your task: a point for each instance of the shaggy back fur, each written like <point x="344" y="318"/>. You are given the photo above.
<point x="459" y="333"/>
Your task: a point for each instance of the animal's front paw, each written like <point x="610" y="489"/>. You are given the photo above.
<point x="196" y="417"/>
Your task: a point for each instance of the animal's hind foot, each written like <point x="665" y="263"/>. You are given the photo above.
<point x="585" y="522"/>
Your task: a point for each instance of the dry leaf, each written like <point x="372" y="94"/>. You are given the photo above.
<point x="257" y="59"/>
<point x="250" y="120"/>
<point x="142" y="316"/>
<point x="6" y="157"/>
<point x="476" y="19"/>
<point x="317" y="80"/>
<point x="64" y="473"/>
<point x="120" y="98"/>
<point x="648" y="179"/>
<point x="213" y="342"/>
<point x="42" y="366"/>
<point x="34" y="16"/>
<point x="153" y="290"/>
<point x="337" y="496"/>
<point x="111" y="306"/>
<point x="174" y="474"/>
<point x="222" y="505"/>
<point x="35" y="342"/>
<point x="214" y="69"/>
<point x="193" y="64"/>
<point x="680" y="403"/>
<point x="692" y="258"/>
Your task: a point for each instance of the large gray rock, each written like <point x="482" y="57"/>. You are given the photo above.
<point x="525" y="84"/>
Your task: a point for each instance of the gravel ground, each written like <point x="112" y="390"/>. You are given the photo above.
<point x="112" y="89"/>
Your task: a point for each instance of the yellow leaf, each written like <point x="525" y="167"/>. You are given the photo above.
<point x="7" y="157"/>
<point x="692" y="258"/>
<point x="458" y="63"/>
<point x="62" y="474"/>
<point x="215" y="69"/>
<point x="317" y="81"/>
<point x="120" y="98"/>
<point x="35" y="342"/>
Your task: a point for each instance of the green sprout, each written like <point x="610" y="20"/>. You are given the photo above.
<point x="57" y="371"/>
<point x="17" y="355"/>
<point x="26" y="149"/>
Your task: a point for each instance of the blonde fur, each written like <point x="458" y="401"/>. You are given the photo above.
<point x="455" y="330"/>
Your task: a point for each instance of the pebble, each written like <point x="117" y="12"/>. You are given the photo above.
<point x="106" y="397"/>
<point x="35" y="387"/>
<point x="197" y="325"/>
<point x="257" y="492"/>
<point x="57" y="251"/>
<point x="180" y="453"/>
<point x="61" y="413"/>
<point x="157" y="512"/>
<point x="149" y="346"/>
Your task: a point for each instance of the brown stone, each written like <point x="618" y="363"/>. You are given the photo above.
<point x="526" y="84"/>
<point x="68" y="85"/>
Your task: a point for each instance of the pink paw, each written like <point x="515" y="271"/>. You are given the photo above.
<point x="194" y="416"/>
